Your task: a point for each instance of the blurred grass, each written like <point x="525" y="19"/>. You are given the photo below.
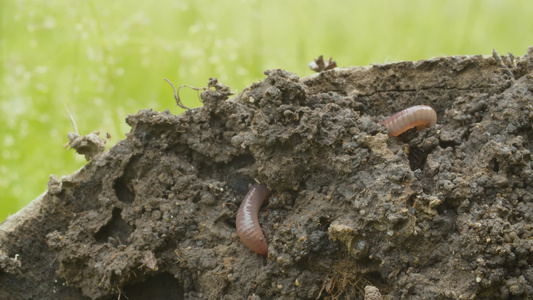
<point x="106" y="59"/>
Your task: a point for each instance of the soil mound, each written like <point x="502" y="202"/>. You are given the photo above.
<point x="442" y="213"/>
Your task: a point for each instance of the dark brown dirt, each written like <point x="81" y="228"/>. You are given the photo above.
<point x="444" y="213"/>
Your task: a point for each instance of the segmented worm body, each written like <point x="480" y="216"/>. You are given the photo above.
<point x="247" y="222"/>
<point x="419" y="116"/>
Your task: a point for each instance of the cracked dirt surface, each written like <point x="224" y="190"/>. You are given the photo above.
<point x="443" y="213"/>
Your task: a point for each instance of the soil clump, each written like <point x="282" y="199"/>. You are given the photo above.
<point x="442" y="213"/>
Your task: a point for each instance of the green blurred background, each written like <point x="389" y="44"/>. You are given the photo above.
<point x="107" y="59"/>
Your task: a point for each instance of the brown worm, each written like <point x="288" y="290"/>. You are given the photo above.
<point x="247" y="222"/>
<point x="419" y="116"/>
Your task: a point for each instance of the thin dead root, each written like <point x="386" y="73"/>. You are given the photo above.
<point x="120" y="293"/>
<point x="344" y="279"/>
<point x="72" y="120"/>
<point x="229" y="203"/>
<point x="177" y="92"/>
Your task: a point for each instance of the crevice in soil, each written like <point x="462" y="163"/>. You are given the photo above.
<point x="116" y="228"/>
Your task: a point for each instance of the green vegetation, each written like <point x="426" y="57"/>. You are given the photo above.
<point x="106" y="59"/>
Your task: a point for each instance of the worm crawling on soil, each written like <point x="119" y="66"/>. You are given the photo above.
<point x="419" y="116"/>
<point x="247" y="222"/>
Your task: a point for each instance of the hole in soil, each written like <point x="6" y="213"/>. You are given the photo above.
<point x="411" y="200"/>
<point x="400" y="225"/>
<point x="239" y="183"/>
<point x="116" y="228"/>
<point x="447" y="144"/>
<point x="161" y="286"/>
<point x="122" y="185"/>
<point x="417" y="158"/>
<point x="240" y="161"/>
<point x="230" y="222"/>
<point x="495" y="165"/>
<point x="124" y="194"/>
<point x="325" y="222"/>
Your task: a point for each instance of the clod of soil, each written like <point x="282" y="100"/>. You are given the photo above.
<point x="443" y="213"/>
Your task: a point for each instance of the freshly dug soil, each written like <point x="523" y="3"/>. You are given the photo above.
<point x="442" y="213"/>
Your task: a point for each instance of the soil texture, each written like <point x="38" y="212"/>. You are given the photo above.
<point x="441" y="213"/>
